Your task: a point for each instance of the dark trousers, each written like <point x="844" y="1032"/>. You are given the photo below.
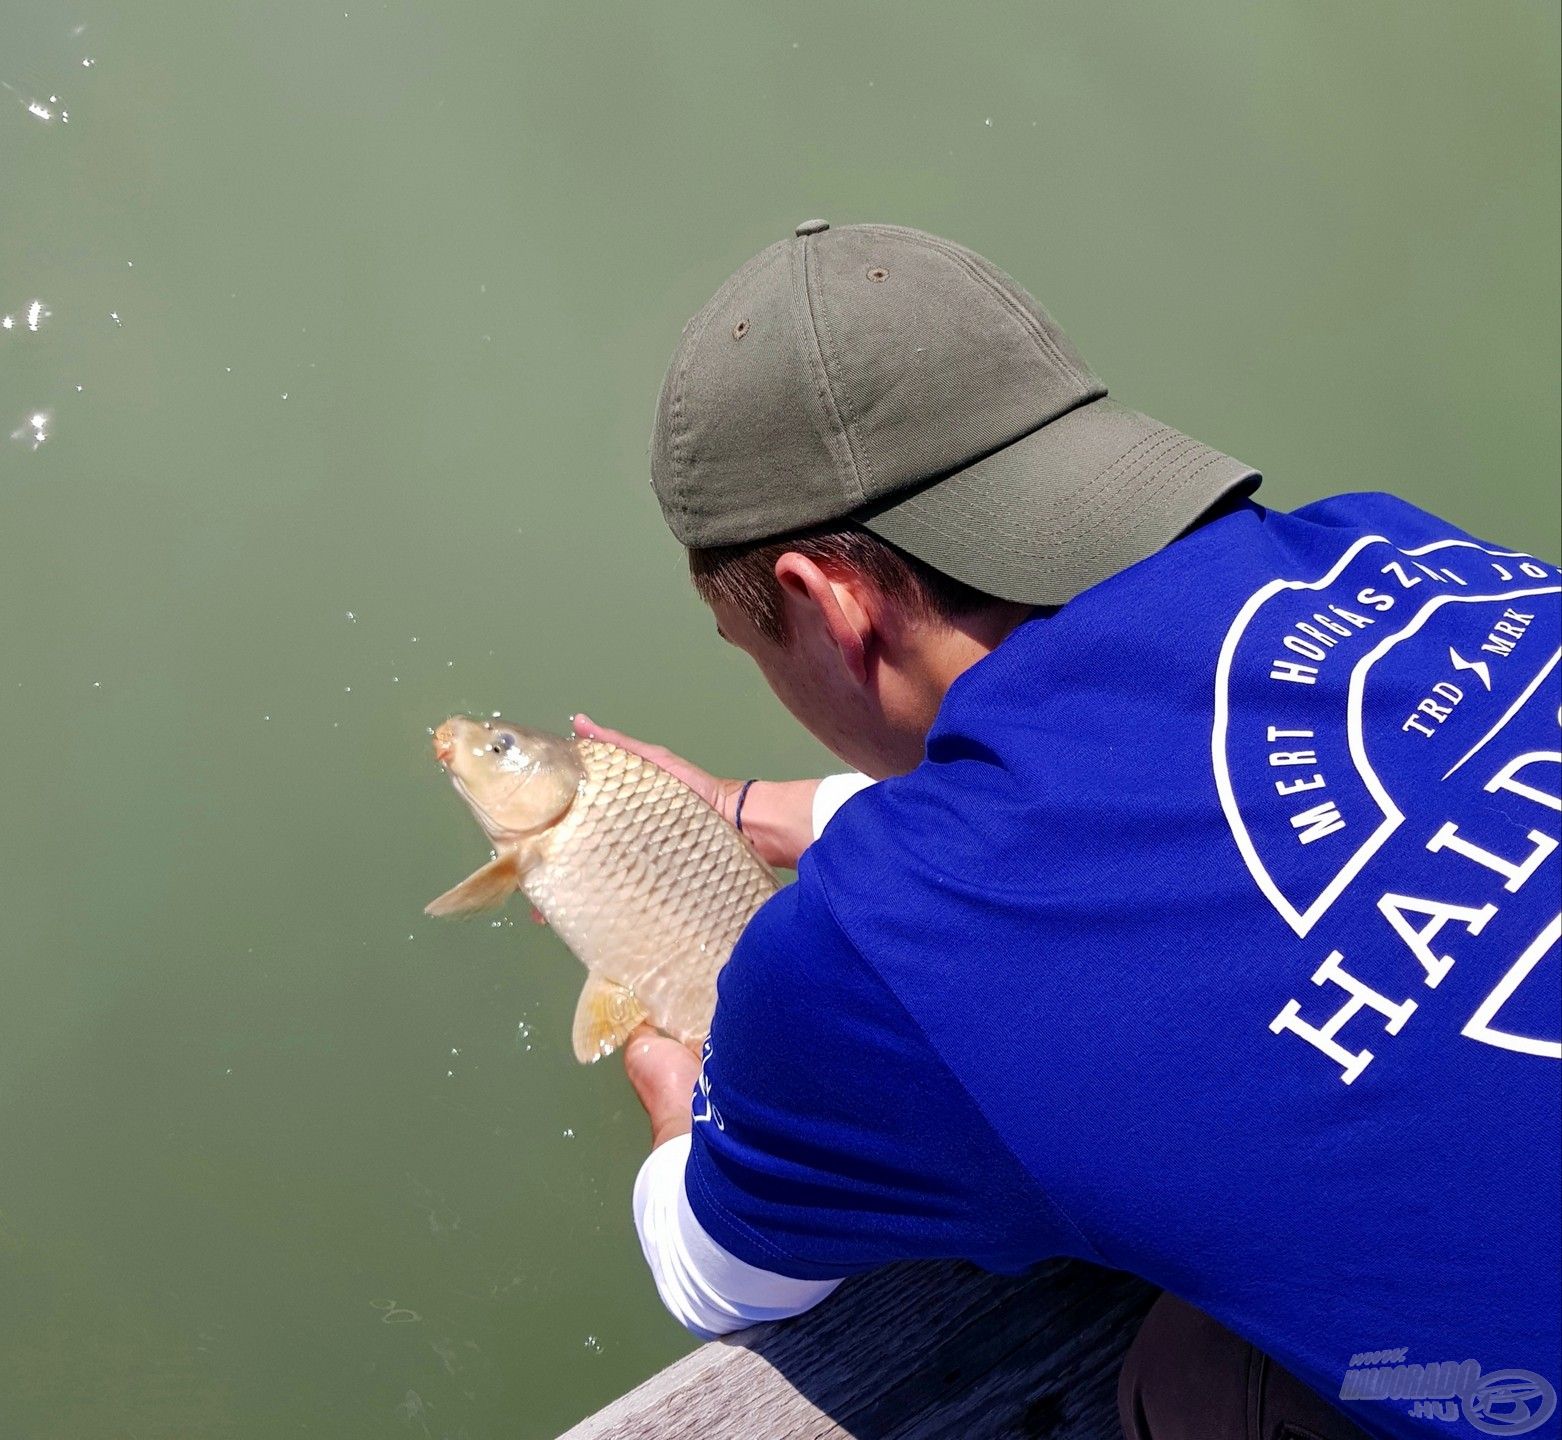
<point x="1187" y="1378"/>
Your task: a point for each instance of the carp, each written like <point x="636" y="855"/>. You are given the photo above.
<point x="647" y="884"/>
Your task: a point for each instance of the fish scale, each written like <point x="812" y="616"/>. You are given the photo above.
<point x="647" y="885"/>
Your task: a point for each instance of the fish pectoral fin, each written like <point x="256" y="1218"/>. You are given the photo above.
<point x="607" y="1012"/>
<point x="485" y="889"/>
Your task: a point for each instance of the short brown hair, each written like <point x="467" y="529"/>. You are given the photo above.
<point x="745" y="575"/>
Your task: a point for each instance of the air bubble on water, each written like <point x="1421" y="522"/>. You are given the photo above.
<point x="88" y="62"/>
<point x="347" y="689"/>
<point x="988" y="122"/>
<point x="284" y="394"/>
<point x="395" y="679"/>
<point x="7" y="322"/>
<point x="114" y="316"/>
<point x="352" y="617"/>
<point x="593" y="1344"/>
<point x="569" y="1134"/>
<point x="37" y="313"/>
<point x="495" y="715"/>
<point x="41" y="111"/>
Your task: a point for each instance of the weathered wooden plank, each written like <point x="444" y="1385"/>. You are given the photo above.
<point x="912" y="1352"/>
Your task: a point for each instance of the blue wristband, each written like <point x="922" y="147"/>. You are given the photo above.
<point x="737" y="810"/>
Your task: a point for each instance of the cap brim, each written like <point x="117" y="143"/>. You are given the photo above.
<point x="1064" y="507"/>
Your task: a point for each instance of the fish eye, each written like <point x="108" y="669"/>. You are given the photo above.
<point x="503" y="741"/>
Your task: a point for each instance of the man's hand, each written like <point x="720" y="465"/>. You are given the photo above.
<point x="663" y="1073"/>
<point x="777" y="816"/>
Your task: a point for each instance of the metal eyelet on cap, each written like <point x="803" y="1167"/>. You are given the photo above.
<point x="878" y="274"/>
<point x="740" y="330"/>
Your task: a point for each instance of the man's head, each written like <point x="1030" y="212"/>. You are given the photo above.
<point x="929" y="452"/>
<point x="857" y="639"/>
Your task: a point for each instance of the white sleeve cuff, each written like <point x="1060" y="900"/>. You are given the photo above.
<point x="833" y="792"/>
<point x="707" y="1289"/>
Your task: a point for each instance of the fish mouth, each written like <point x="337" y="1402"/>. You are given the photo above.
<point x="444" y="744"/>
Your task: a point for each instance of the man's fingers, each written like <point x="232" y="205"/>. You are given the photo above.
<point x="662" y="1071"/>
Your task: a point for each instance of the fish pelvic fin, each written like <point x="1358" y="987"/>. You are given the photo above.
<point x="605" y="1015"/>
<point x="485" y="889"/>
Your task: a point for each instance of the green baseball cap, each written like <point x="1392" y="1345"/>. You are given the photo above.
<point x="882" y="375"/>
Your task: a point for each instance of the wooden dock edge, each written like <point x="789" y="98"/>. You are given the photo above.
<point x="912" y="1352"/>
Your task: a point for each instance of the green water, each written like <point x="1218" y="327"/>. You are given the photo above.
<point x="355" y="318"/>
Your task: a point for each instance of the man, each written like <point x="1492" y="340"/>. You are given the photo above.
<point x="1204" y="920"/>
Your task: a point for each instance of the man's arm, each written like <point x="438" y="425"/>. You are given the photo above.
<point x="707" y="1290"/>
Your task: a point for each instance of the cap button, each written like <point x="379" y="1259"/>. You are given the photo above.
<point x="812" y="227"/>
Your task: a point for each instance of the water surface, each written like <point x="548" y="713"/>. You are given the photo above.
<point x="331" y="418"/>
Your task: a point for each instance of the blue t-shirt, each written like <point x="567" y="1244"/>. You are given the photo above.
<point x="1215" y="939"/>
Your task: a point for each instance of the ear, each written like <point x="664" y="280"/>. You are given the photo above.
<point x="840" y="604"/>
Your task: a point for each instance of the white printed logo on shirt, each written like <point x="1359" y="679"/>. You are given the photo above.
<point x="1345" y="706"/>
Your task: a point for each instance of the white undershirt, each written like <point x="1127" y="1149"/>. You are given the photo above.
<point x="707" y="1289"/>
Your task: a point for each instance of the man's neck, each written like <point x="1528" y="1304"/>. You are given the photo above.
<point x="950" y="649"/>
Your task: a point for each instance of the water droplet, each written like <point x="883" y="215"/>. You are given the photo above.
<point x="352" y="617"/>
<point x="988" y="122"/>
<point x="114" y="316"/>
<point x="34" y="430"/>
